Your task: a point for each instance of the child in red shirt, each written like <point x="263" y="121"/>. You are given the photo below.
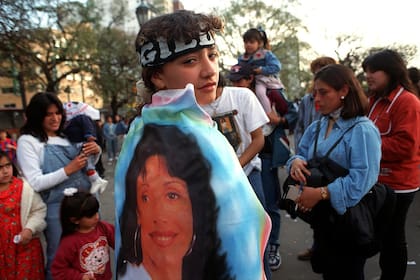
<point x="83" y="252"/>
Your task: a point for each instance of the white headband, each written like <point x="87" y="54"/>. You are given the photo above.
<point x="160" y="51"/>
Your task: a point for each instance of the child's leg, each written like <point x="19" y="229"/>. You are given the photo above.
<point x="98" y="184"/>
<point x="260" y="91"/>
<point x="91" y="172"/>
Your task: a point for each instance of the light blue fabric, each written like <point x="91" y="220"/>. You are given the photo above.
<point x="359" y="152"/>
<point x="269" y="63"/>
<point x="243" y="225"/>
<point x="56" y="157"/>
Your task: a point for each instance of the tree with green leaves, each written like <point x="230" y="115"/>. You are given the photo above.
<point x="118" y="68"/>
<point x="43" y="42"/>
<point x="350" y="52"/>
<point x="52" y="40"/>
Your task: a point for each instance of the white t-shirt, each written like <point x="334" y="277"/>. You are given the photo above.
<point x="30" y="156"/>
<point x="249" y="116"/>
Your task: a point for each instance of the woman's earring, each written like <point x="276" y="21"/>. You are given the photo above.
<point x="342" y="97"/>
<point x="191" y="245"/>
<point x="136" y="242"/>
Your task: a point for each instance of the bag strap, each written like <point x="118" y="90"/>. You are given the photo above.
<point x="318" y="128"/>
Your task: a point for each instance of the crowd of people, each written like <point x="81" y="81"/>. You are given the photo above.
<point x="200" y="170"/>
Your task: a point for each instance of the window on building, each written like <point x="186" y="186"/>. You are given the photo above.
<point x="7" y="90"/>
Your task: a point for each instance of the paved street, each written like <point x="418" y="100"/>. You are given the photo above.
<point x="296" y="236"/>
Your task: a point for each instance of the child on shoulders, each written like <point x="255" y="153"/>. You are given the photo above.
<point x="80" y="127"/>
<point x="265" y="64"/>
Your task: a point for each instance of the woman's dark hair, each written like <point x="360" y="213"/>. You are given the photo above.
<point x="184" y="160"/>
<point x="337" y="76"/>
<point x="257" y="34"/>
<point x="394" y="66"/>
<point x="414" y="75"/>
<point x="80" y="204"/>
<point x="221" y="83"/>
<point x="15" y="170"/>
<point x="37" y="111"/>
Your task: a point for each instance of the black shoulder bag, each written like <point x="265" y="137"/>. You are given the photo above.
<point x="323" y="171"/>
<point x="362" y="226"/>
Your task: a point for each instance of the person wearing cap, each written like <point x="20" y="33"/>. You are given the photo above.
<point x="179" y="60"/>
<point x="241" y="75"/>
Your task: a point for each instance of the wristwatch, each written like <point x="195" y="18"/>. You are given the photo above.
<point x="324" y="193"/>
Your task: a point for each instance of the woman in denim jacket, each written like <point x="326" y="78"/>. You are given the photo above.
<point x="343" y="104"/>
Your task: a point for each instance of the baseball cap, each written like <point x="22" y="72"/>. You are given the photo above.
<point x="240" y="71"/>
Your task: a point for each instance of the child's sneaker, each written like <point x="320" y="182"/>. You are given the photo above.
<point x="274" y="258"/>
<point x="98" y="185"/>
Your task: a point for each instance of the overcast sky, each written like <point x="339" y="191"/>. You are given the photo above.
<point x="379" y="22"/>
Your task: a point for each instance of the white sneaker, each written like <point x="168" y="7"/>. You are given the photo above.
<point x="99" y="185"/>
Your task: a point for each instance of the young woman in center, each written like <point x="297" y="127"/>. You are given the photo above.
<point x="180" y="72"/>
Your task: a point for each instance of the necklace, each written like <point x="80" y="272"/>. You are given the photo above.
<point x="388" y="108"/>
<point x="214" y="106"/>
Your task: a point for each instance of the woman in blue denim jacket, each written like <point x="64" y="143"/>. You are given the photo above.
<point x="343" y="104"/>
<point x="50" y="162"/>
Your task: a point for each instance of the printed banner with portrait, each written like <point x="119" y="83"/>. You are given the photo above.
<point x="184" y="207"/>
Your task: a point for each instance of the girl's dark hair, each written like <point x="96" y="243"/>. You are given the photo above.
<point x="15" y="170"/>
<point x="184" y="160"/>
<point x="181" y="25"/>
<point x="414" y="75"/>
<point x="222" y="81"/>
<point x="37" y="111"/>
<point x="80" y="204"/>
<point x="257" y="34"/>
<point x="337" y="76"/>
<point x="394" y="66"/>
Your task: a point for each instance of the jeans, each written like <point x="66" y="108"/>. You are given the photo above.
<point x="255" y="180"/>
<point x="52" y="234"/>
<point x="271" y="188"/>
<point x="393" y="255"/>
<point x="111" y="148"/>
<point x="55" y="157"/>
